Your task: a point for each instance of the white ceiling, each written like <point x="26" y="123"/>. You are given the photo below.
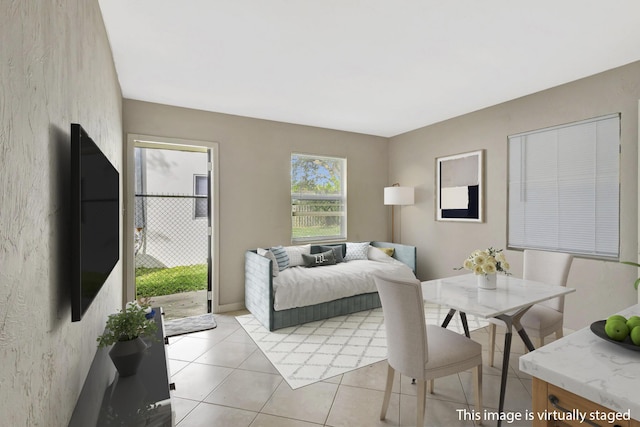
<point x="380" y="67"/>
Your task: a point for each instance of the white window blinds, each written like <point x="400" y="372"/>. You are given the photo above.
<point x="564" y="188"/>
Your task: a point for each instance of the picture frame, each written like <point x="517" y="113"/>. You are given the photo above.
<point x="460" y="187"/>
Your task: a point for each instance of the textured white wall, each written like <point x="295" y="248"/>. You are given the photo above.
<point x="602" y="287"/>
<point x="55" y="68"/>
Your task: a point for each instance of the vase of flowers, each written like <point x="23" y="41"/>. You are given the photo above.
<point x="124" y="331"/>
<point x="485" y="264"/>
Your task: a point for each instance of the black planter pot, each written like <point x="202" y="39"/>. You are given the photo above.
<point x="127" y="355"/>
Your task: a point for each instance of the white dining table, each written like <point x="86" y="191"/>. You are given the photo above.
<point x="508" y="302"/>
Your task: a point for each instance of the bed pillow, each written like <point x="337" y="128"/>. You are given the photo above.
<point x="357" y="251"/>
<point x="388" y="251"/>
<point x="337" y="252"/>
<point x="281" y="257"/>
<point x="318" y="260"/>
<point x="295" y="254"/>
<point x="274" y="262"/>
<point x="380" y="254"/>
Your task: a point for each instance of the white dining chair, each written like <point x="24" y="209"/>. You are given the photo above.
<point x="420" y="351"/>
<point x="545" y="318"/>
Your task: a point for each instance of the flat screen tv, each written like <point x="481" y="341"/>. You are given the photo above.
<point x="95" y="220"/>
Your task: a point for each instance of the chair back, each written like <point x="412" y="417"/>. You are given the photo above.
<point x="548" y="267"/>
<point x="403" y="310"/>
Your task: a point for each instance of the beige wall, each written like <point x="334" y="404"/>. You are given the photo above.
<point x="602" y="287"/>
<point x="255" y="178"/>
<point x="56" y="68"/>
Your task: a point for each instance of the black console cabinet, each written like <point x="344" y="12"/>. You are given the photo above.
<point x="142" y="399"/>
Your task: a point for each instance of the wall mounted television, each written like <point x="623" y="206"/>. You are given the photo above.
<point x="95" y="220"/>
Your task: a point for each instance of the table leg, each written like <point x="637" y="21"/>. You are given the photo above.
<point x="447" y="319"/>
<point x="505" y="371"/>
<point x="465" y="325"/>
<point x="510" y="320"/>
<point x="524" y="336"/>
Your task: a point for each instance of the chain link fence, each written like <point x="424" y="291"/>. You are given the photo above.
<point x="171" y="244"/>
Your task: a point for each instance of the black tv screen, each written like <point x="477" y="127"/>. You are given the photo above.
<point x="95" y="220"/>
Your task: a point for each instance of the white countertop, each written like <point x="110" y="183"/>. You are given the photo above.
<point x="591" y="367"/>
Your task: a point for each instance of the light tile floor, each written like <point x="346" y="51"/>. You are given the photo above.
<point x="223" y="379"/>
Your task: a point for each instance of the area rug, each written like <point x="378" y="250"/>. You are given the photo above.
<point x="187" y="325"/>
<point x="319" y="350"/>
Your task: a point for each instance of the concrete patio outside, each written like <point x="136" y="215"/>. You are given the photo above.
<point x="183" y="304"/>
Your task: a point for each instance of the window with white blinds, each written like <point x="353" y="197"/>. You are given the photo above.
<point x="564" y="188"/>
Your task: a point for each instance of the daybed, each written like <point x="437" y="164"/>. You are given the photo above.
<point x="282" y="297"/>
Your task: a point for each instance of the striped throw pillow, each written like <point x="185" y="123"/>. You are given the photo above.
<point x="281" y="257"/>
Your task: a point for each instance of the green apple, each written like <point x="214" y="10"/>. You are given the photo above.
<point x="633" y="321"/>
<point x="635" y="335"/>
<point x="617" y="317"/>
<point x="616" y="329"/>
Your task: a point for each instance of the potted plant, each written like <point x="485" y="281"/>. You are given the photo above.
<point x="485" y="264"/>
<point x="124" y="330"/>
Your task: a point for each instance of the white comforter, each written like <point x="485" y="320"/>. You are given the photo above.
<point x="301" y="286"/>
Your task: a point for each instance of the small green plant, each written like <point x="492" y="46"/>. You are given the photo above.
<point x="127" y="324"/>
<point x="634" y="264"/>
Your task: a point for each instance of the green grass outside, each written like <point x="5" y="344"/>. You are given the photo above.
<point x="152" y="282"/>
<point x="299" y="232"/>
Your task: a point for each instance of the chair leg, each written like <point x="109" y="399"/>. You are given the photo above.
<point x="559" y="333"/>
<point x="387" y="392"/>
<point x="477" y="373"/>
<point x="430" y="386"/>
<point x="421" y="402"/>
<point x="492" y="342"/>
<point x="540" y="342"/>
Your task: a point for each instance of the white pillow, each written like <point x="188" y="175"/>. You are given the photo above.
<point x="377" y="254"/>
<point x="274" y="262"/>
<point x="357" y="251"/>
<point x="295" y="254"/>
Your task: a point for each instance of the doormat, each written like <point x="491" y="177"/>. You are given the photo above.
<point x="187" y="325"/>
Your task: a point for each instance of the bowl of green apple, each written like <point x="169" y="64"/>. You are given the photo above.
<point x="619" y="330"/>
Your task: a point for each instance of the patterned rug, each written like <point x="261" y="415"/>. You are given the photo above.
<point x="319" y="350"/>
<point x="190" y="324"/>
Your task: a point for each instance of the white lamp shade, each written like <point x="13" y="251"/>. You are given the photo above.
<point x="398" y="195"/>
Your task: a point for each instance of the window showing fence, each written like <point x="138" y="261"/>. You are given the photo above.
<point x="318" y="198"/>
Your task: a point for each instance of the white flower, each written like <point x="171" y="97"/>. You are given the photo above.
<point x="479" y="259"/>
<point x="488" y="261"/>
<point x="489" y="268"/>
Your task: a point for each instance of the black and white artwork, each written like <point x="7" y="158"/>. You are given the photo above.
<point x="459" y="187"/>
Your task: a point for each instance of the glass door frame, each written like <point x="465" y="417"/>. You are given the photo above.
<point x="128" y="290"/>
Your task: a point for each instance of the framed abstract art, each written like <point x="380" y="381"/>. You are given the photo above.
<point x="460" y="187"/>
